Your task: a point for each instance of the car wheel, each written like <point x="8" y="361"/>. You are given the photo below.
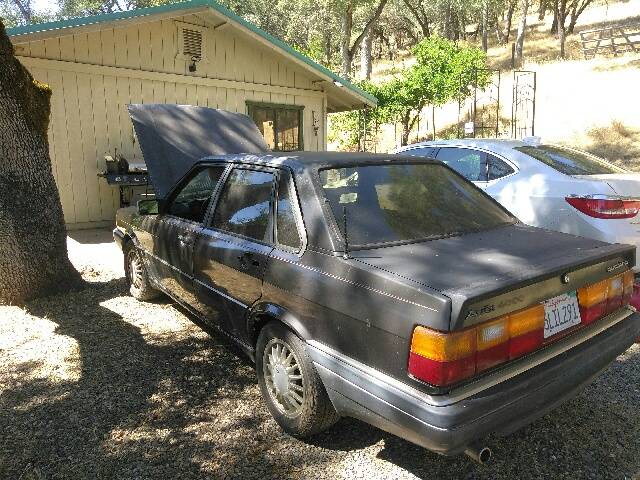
<point x="290" y="384"/>
<point x="137" y="277"/>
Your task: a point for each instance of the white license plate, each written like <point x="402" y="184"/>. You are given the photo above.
<point x="560" y="313"/>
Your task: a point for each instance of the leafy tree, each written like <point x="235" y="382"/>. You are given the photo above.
<point x="444" y="71"/>
<point x="33" y="251"/>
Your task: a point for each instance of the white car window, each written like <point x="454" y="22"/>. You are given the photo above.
<point x="469" y="163"/>
<point x="497" y="168"/>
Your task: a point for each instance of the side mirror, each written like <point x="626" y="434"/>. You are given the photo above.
<point x="148" y="207"/>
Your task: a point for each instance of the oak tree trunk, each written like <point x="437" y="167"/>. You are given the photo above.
<point x="345" y="50"/>
<point x="522" y="26"/>
<point x="33" y="248"/>
<point x="485" y="26"/>
<point x="365" y="56"/>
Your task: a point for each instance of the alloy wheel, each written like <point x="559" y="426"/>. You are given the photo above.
<point x="283" y="377"/>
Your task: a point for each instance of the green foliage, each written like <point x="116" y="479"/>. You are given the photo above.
<point x="444" y="71"/>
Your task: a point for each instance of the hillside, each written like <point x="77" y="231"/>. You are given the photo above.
<point x="591" y="104"/>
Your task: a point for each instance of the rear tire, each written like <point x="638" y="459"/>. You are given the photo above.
<point x="137" y="277"/>
<point x="289" y="383"/>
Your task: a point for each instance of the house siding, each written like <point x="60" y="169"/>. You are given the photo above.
<point x="94" y="75"/>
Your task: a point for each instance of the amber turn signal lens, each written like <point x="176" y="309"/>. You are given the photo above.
<point x="593" y="294"/>
<point x="442" y="347"/>
<point x="527" y="320"/>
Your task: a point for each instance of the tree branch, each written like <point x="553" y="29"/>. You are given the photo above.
<point x="367" y="26"/>
<point x="25" y="11"/>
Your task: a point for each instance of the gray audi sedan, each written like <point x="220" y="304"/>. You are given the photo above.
<point x="382" y="287"/>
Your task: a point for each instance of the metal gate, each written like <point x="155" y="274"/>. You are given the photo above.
<point x="523" y="106"/>
<point x="479" y="114"/>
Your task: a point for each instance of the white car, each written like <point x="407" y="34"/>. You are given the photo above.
<point x="548" y="186"/>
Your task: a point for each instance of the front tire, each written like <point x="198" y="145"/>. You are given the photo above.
<point x="290" y="384"/>
<point x="137" y="276"/>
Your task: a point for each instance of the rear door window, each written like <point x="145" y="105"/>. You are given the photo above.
<point x="471" y="164"/>
<point x="497" y="168"/>
<point x="244" y="207"/>
<point x="568" y="161"/>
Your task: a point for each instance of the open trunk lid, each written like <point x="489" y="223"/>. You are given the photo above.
<point x="175" y="137"/>
<point x="498" y="271"/>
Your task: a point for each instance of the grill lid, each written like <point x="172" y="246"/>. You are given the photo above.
<point x="175" y="137"/>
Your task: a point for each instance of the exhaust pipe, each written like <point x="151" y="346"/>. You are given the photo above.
<point x="478" y="453"/>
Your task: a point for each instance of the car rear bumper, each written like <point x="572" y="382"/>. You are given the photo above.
<point x="447" y="424"/>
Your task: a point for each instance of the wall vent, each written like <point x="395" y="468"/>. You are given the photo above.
<point x="192" y="43"/>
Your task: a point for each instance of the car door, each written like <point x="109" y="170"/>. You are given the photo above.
<point x="177" y="228"/>
<point x="470" y="163"/>
<point x="231" y="253"/>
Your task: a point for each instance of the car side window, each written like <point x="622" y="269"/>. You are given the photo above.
<point x="497" y="168"/>
<point x="244" y="206"/>
<point x="468" y="163"/>
<point x="287" y="233"/>
<point x="193" y="199"/>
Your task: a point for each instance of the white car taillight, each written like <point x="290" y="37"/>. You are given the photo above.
<point x="605" y="207"/>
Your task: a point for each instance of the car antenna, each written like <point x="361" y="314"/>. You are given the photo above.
<point x="346" y="235"/>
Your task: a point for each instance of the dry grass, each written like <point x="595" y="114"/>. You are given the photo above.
<point x="615" y="142"/>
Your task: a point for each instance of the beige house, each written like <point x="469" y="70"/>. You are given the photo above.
<point x="195" y="52"/>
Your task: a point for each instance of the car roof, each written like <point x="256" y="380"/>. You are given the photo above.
<point x="492" y="144"/>
<point x="301" y="161"/>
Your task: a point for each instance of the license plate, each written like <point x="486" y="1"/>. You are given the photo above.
<point x="560" y="313"/>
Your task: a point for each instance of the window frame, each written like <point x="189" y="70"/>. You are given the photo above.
<point x="280" y="106"/>
<point x="269" y="233"/>
<point x="183" y="183"/>
<point x="297" y="213"/>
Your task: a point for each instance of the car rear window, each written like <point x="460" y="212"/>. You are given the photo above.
<point x="407" y="202"/>
<point x="569" y="162"/>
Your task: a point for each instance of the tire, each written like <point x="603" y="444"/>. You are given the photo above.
<point x="301" y="411"/>
<point x="137" y="276"/>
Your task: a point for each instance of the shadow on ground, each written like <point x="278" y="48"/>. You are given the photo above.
<point x="182" y="404"/>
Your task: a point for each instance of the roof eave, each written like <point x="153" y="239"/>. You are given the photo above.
<point x="347" y="95"/>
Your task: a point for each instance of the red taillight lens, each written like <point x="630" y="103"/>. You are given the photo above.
<point x="635" y="296"/>
<point x="605" y="207"/>
<point x="599" y="299"/>
<point x="446" y="358"/>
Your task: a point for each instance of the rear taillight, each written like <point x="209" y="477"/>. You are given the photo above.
<point x="446" y="358"/>
<point x="605" y="207"/>
<point x="604" y="297"/>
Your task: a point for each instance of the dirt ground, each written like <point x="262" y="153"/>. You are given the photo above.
<point x="94" y="384"/>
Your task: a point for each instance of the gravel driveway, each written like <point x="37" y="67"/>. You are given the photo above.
<point x="94" y="384"/>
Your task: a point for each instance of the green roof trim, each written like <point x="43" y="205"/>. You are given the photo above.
<point x="189" y="4"/>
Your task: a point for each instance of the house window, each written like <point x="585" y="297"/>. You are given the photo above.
<point x="280" y="125"/>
